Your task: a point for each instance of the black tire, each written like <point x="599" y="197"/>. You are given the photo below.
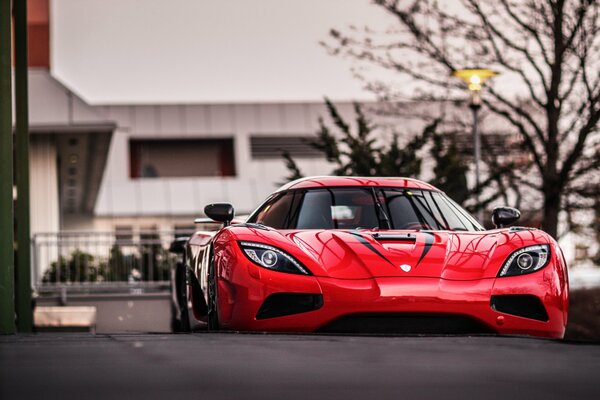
<point x="182" y="322"/>
<point x="213" y="308"/>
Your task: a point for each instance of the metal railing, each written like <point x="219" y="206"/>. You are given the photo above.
<point x="102" y="261"/>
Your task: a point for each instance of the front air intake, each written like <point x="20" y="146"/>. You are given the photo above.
<point x="407" y="324"/>
<point x="521" y="305"/>
<point x="281" y="304"/>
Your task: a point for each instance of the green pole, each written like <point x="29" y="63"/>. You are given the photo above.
<point x="7" y="298"/>
<point x="23" y="305"/>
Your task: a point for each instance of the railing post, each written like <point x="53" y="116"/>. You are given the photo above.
<point x="35" y="278"/>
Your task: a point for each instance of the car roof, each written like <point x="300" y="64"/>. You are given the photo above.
<point x="349" y="181"/>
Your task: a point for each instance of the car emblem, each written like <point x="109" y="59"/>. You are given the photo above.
<point x="405" y="267"/>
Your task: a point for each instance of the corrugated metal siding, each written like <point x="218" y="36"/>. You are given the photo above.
<point x="273" y="146"/>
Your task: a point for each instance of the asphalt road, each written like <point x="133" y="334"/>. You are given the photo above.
<point x="288" y="367"/>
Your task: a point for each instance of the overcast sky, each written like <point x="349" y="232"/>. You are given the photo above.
<point x="205" y="51"/>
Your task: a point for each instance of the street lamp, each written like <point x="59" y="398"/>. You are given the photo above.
<point x="475" y="78"/>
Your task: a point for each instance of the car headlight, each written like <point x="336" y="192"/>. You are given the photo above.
<point x="526" y="260"/>
<point x="272" y="258"/>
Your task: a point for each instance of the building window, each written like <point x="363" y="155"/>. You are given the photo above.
<point x="179" y="158"/>
<point x="263" y="147"/>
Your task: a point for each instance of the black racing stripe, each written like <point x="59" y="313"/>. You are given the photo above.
<point x="364" y="241"/>
<point x="428" y="242"/>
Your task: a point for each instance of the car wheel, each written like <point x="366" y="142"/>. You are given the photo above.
<point x="182" y="323"/>
<point x="213" y="314"/>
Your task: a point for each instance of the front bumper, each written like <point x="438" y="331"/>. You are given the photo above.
<point x="242" y="293"/>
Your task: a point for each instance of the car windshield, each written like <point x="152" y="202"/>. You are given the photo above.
<point x="363" y="208"/>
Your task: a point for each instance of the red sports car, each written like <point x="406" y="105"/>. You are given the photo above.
<point x="376" y="255"/>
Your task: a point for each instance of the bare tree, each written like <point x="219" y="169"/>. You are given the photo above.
<point x="356" y="152"/>
<point x="549" y="48"/>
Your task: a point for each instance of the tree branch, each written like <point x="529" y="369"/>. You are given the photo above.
<point x="526" y="136"/>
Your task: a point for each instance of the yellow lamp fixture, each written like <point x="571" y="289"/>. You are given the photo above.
<point x="475" y="77"/>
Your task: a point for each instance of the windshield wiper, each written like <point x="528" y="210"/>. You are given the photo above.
<point x="384" y="220"/>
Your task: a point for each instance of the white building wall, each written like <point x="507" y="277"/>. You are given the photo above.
<point x="123" y="197"/>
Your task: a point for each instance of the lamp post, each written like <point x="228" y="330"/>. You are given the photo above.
<point x="475" y="78"/>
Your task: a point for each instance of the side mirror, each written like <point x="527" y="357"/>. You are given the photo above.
<point x="222" y="212"/>
<point x="503" y="216"/>
<point x="178" y="245"/>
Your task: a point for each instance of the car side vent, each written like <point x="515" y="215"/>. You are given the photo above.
<point x="521" y="305"/>
<point x="281" y="304"/>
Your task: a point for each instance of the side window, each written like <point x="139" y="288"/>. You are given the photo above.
<point x="276" y="213"/>
<point x="450" y="214"/>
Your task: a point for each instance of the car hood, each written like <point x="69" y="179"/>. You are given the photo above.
<point x="365" y="254"/>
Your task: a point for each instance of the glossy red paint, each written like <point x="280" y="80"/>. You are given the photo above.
<point x="449" y="273"/>
<point x="341" y="181"/>
<point x="457" y="276"/>
<point x="343" y="254"/>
